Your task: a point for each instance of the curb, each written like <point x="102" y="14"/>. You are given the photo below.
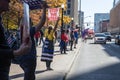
<point x="73" y="60"/>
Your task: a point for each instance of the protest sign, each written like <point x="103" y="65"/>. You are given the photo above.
<point x="53" y="14"/>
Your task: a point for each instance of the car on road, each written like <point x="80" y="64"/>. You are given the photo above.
<point x="100" y="38"/>
<point x="117" y="39"/>
<point x="108" y="36"/>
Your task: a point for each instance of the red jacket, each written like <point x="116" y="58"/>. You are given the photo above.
<point x="37" y="35"/>
<point x="64" y="37"/>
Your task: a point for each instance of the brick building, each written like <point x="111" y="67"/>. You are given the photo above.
<point x="114" y="26"/>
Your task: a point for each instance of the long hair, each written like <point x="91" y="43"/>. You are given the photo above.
<point x="50" y="28"/>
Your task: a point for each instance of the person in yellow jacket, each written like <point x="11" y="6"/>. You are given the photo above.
<point x="48" y="46"/>
<point x="49" y="33"/>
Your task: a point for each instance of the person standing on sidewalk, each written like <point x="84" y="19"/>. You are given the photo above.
<point x="41" y="37"/>
<point x="72" y="38"/>
<point x="68" y="35"/>
<point x="48" y="47"/>
<point x="6" y="54"/>
<point x="76" y="38"/>
<point x="63" y="42"/>
<point x="28" y="62"/>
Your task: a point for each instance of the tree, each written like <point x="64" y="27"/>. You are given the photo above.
<point x="12" y="18"/>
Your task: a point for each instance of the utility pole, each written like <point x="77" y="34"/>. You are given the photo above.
<point x="79" y="16"/>
<point x="62" y="26"/>
<point x="114" y="3"/>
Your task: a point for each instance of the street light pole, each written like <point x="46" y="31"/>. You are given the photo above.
<point x="80" y="17"/>
<point x="62" y="6"/>
<point x="72" y="23"/>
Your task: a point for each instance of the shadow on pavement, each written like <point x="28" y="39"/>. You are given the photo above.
<point x="22" y="74"/>
<point x="112" y="50"/>
<point x="57" y="51"/>
<point x="17" y="76"/>
<point x="110" y="72"/>
<point x="37" y="72"/>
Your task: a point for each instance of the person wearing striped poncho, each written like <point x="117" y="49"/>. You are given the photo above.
<point x="48" y="46"/>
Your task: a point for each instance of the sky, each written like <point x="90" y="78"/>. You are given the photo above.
<point x="89" y="7"/>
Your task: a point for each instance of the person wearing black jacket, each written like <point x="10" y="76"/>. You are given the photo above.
<point x="28" y="61"/>
<point x="6" y="54"/>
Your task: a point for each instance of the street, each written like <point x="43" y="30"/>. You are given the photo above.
<point x="96" y="62"/>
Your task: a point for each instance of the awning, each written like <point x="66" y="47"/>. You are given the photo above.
<point x="33" y="4"/>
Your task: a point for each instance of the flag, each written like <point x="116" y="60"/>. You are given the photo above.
<point x="10" y="41"/>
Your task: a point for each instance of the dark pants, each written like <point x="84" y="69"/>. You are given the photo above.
<point x="48" y="63"/>
<point x="63" y="45"/>
<point x="71" y="44"/>
<point x="29" y="69"/>
<point x="36" y="39"/>
<point x="41" y="39"/>
<point x="4" y="73"/>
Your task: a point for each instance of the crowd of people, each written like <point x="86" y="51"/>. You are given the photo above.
<point x="27" y="51"/>
<point x="65" y="37"/>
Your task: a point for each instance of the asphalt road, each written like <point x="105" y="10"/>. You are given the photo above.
<point x="96" y="62"/>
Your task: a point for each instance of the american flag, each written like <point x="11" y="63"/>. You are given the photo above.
<point x="10" y="41"/>
<point x="33" y="4"/>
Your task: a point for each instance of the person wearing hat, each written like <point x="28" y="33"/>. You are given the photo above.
<point x="6" y="54"/>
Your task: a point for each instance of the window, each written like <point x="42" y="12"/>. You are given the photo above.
<point x="68" y="12"/>
<point x="64" y="12"/>
<point x="68" y="5"/>
<point x="69" y="0"/>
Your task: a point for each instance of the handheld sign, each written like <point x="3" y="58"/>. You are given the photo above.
<point x="25" y="25"/>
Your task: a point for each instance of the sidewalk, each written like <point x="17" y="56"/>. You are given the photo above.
<point x="61" y="65"/>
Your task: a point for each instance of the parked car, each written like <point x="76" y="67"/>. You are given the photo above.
<point x="99" y="38"/>
<point x="108" y="36"/>
<point x="117" y="39"/>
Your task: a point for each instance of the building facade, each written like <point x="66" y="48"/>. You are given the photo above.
<point x="72" y="10"/>
<point x="104" y="25"/>
<point x="81" y="20"/>
<point x="100" y="17"/>
<point x="114" y="27"/>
